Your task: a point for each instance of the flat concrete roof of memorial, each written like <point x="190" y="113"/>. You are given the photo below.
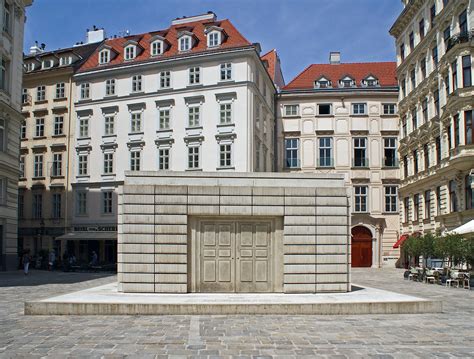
<point x="106" y="300"/>
<point x="263" y="179"/>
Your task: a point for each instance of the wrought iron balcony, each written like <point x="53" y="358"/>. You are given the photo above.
<point x="459" y="38"/>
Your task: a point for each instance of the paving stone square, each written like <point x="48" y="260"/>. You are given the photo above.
<point x="444" y="335"/>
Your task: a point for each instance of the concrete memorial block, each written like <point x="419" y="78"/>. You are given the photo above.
<point x="234" y="232"/>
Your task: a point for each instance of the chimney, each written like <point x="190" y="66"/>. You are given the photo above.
<point x="335" y="58"/>
<point x="95" y="35"/>
<point x="36" y="48"/>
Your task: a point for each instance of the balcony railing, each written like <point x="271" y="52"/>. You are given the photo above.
<point x="459" y="38"/>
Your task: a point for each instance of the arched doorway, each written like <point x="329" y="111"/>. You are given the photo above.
<point x="361" y="247"/>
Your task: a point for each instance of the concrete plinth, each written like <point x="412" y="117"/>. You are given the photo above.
<point x="106" y="300"/>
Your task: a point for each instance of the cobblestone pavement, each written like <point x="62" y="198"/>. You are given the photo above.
<point x="443" y="335"/>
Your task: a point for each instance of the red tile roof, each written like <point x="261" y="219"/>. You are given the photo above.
<point x="385" y="72"/>
<point x="271" y="58"/>
<point x="231" y="39"/>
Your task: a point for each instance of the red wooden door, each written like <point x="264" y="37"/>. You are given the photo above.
<point x="361" y="247"/>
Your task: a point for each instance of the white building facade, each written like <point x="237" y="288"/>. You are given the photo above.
<point x="12" y="20"/>
<point x="342" y="118"/>
<point x="193" y="97"/>
<point x="435" y="52"/>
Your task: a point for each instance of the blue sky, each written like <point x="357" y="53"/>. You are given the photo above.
<point x="303" y="31"/>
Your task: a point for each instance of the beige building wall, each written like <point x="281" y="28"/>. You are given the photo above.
<point x="12" y="19"/>
<point x="435" y="58"/>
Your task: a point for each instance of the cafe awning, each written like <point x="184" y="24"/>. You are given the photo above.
<point x="400" y="241"/>
<point x="89" y="236"/>
<point x="465" y="228"/>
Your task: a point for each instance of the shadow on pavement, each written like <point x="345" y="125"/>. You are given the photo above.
<point x="40" y="277"/>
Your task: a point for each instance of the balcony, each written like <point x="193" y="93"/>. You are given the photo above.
<point x="459" y="38"/>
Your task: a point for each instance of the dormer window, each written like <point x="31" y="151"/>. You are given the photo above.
<point x="65" y="60"/>
<point x="322" y="83"/>
<point x="30" y="66"/>
<point x="130" y="52"/>
<point x="346" y="82"/>
<point x="213" y="39"/>
<point x="47" y="64"/>
<point x="370" y="81"/>
<point x="185" y="43"/>
<point x="104" y="57"/>
<point x="156" y="48"/>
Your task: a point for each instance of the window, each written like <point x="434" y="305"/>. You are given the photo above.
<point x="41" y="93"/>
<point x="38" y="166"/>
<point x="415" y="162"/>
<point x="184" y="43"/>
<point x="165" y="79"/>
<point x="469" y="192"/>
<point x="463" y="23"/>
<point x="454" y="67"/>
<point x="135" y="160"/>
<point x="108" y="163"/>
<point x="324" y="109"/>
<point x="424" y="110"/>
<point x="193" y="157"/>
<point x="446" y="36"/>
<point x="22" y="132"/>
<point x="225" y="155"/>
<point x="414" y="119"/>
<point x="438" y="200"/>
<point x="213" y="39"/>
<point x="56" y="210"/>
<point x="81" y="203"/>
<point x="469" y="123"/>
<point x="402" y="51"/>
<point x="390" y="152"/>
<point x="109" y="125"/>
<point x="291" y="153"/>
<point x="413" y="79"/>
<point x="391" y="198"/>
<point x="164" y="118"/>
<point x="60" y="90"/>
<point x="83" y="127"/>
<point x="423" y="68"/>
<point x="438" y="150"/>
<point x="403" y="85"/>
<point x="416" y="207"/>
<point x="405" y="166"/>
<point x="65" y="60"/>
<point x="226" y="71"/>
<point x="436" y="101"/>
<point x="85" y="91"/>
<point x="130" y="52"/>
<point x="389" y="109"/>
<point x="22" y="166"/>
<point x="434" y="56"/>
<point x="426" y="156"/>
<point x="432" y="15"/>
<point x="37" y="206"/>
<point x="136" y="83"/>
<point x="411" y="41"/>
<point x="194" y="75"/>
<point x="358" y="108"/>
<point x="291" y="110"/>
<point x="404" y="126"/>
<point x="7" y="16"/>
<point x="107" y="202"/>
<point x="225" y="113"/>
<point x="448" y="132"/>
<point x="194" y="116"/>
<point x="110" y="87"/>
<point x="57" y="165"/>
<point x="406" y="206"/>
<point x="25" y="97"/>
<point x="427" y="204"/>
<point x="21" y="206"/>
<point x="4" y="65"/>
<point x="453" y="198"/>
<point x="325" y="152"/>
<point x="360" y="148"/>
<point x="457" y="125"/>
<point x="164" y="159"/>
<point x="39" y="129"/>
<point x="360" y="197"/>
<point x="83" y="165"/>
<point x="466" y="71"/>
<point x="58" y="125"/>
<point x="446" y="85"/>
<point x="421" y="28"/>
<point x="136" y="122"/>
<point x="347" y="83"/>
<point x="156" y="48"/>
<point x="104" y="56"/>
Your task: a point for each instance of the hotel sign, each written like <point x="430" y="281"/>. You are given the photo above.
<point x="95" y="229"/>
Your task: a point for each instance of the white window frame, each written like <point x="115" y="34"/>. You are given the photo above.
<point x="165" y="79"/>
<point x="194" y="152"/>
<point x="157" y="48"/>
<point x="360" y="193"/>
<point x="389" y="108"/>
<point x="60" y="90"/>
<point x="104" y="56"/>
<point x="83" y="127"/>
<point x="185" y="43"/>
<point x="38" y="166"/>
<point x="83" y="164"/>
<point x="81" y="203"/>
<point x="85" y="92"/>
<point x="137" y="83"/>
<point x="110" y="87"/>
<point x="41" y="93"/>
<point x="108" y="163"/>
<point x="291" y="110"/>
<point x="57" y="165"/>
<point x="214" y="38"/>
<point x="292" y="161"/>
<point x="164" y="158"/>
<point x="39" y="127"/>
<point x="130" y="52"/>
<point x="164" y="118"/>
<point x="107" y="198"/>
<point x="194" y="116"/>
<point x="109" y="125"/>
<point x="226" y="115"/>
<point x="135" y="160"/>
<point x="226" y="71"/>
<point x="194" y="77"/>
<point x="136" y="122"/>
<point x="324" y="147"/>
<point x="226" y="158"/>
<point x="22" y="166"/>
<point x="390" y="199"/>
<point x="58" y="125"/>
<point x="356" y="109"/>
<point x="23" y="129"/>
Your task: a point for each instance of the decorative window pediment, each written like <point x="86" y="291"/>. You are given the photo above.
<point x="347" y="81"/>
<point x="370" y="81"/>
<point x="322" y="82"/>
